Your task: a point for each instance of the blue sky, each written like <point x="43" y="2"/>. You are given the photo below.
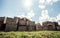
<point x="36" y="10"/>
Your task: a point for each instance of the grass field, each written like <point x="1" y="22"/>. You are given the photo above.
<point x="32" y="34"/>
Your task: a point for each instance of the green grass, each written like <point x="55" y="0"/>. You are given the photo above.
<point x="32" y="34"/>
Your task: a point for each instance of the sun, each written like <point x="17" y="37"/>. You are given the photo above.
<point x="27" y="3"/>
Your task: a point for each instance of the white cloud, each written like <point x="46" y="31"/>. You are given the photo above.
<point x="30" y="14"/>
<point x="48" y="1"/>
<point x="42" y="1"/>
<point x="44" y="12"/>
<point x="58" y="18"/>
<point x="44" y="16"/>
<point x="51" y="2"/>
<point x="42" y="6"/>
<point x="53" y="19"/>
<point x="21" y="14"/>
<point x="55" y="0"/>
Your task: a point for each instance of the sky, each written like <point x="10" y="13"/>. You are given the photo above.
<point x="35" y="10"/>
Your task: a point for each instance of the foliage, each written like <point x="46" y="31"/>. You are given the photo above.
<point x="32" y="34"/>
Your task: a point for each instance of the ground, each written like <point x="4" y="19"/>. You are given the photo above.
<point x="30" y="34"/>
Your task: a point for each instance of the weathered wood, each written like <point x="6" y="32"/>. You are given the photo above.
<point x="48" y="25"/>
<point x="22" y="28"/>
<point x="32" y="23"/>
<point x="31" y="28"/>
<point x="38" y="26"/>
<point x="58" y="27"/>
<point x="11" y="25"/>
<point x="22" y="22"/>
<point x="2" y="19"/>
<point x="2" y="25"/>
